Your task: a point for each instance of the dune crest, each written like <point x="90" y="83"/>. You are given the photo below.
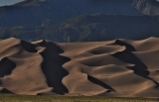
<point x="115" y="68"/>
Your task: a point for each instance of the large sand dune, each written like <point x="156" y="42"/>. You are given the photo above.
<point x="116" y="68"/>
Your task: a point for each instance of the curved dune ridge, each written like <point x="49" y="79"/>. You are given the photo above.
<point x="115" y="68"/>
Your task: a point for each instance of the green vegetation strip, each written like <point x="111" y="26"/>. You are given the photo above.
<point x="25" y="98"/>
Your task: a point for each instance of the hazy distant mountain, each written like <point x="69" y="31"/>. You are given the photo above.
<point x="96" y="27"/>
<point x="49" y="12"/>
<point x="147" y="7"/>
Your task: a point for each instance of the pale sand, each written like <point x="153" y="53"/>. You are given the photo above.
<point x="115" y="68"/>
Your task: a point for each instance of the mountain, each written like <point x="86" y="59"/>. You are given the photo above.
<point x="50" y="12"/>
<point x="95" y="27"/>
<point x="66" y="20"/>
<point x="147" y="7"/>
<point x="100" y="27"/>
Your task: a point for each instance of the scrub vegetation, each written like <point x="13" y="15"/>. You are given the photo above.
<point x="49" y="98"/>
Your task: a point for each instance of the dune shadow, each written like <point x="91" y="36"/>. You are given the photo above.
<point x="140" y="68"/>
<point x="4" y="90"/>
<point x="6" y="67"/>
<point x="98" y="82"/>
<point x="28" y="46"/>
<point x="52" y="66"/>
<point x="128" y="56"/>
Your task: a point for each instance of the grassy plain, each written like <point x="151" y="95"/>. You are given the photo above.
<point x="25" y="98"/>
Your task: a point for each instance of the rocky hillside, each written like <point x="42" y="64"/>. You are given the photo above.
<point x="96" y="27"/>
<point x="147" y="7"/>
<point x="63" y="20"/>
<point x="50" y="12"/>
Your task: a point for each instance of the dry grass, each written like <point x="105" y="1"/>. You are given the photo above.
<point x="25" y="98"/>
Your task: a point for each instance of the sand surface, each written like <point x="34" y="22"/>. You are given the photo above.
<point x="115" y="68"/>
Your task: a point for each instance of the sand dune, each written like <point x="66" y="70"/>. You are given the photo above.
<point x="115" y="68"/>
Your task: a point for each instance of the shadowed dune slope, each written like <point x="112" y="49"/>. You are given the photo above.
<point x="115" y="68"/>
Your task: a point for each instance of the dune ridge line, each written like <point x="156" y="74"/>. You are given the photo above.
<point x="114" y="68"/>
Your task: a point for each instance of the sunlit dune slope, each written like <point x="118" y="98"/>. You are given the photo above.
<point x="114" y="68"/>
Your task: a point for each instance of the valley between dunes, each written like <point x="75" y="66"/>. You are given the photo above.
<point x="114" y="68"/>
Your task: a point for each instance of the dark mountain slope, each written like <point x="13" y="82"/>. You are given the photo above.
<point x="29" y="3"/>
<point x="49" y="12"/>
<point x="99" y="27"/>
<point x="94" y="27"/>
<point x="147" y="7"/>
